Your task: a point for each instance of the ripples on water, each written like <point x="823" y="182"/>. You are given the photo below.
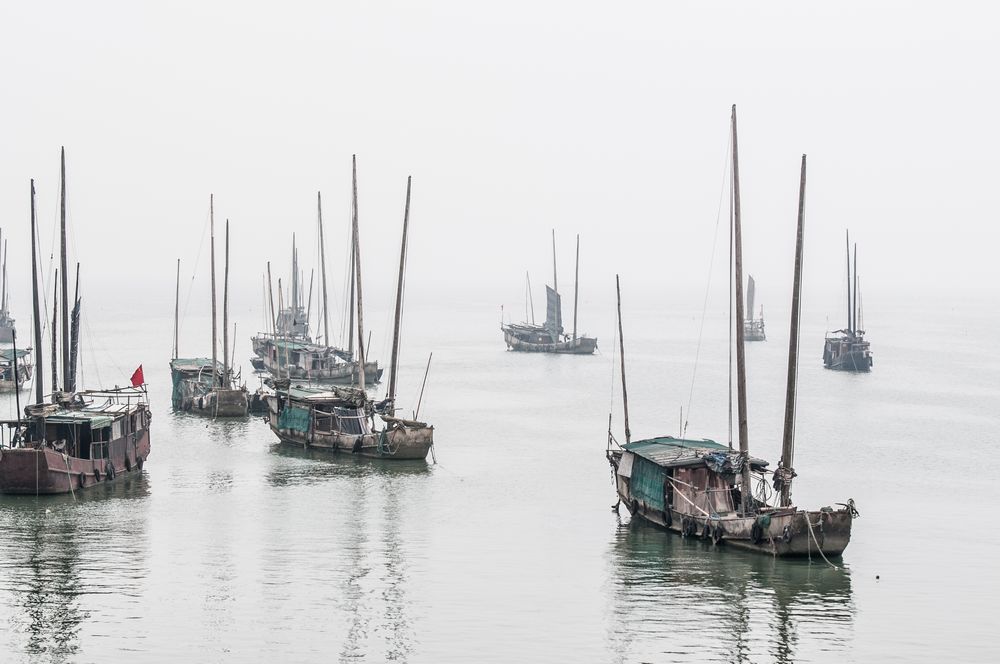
<point x="230" y="548"/>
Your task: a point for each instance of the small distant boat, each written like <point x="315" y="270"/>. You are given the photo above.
<point x="82" y="438"/>
<point x="550" y="337"/>
<point x="11" y="379"/>
<point x="700" y="488"/>
<point x="6" y="321"/>
<point x="287" y="351"/>
<point x="342" y="419"/>
<point x="847" y="349"/>
<point x="205" y="386"/>
<point x="753" y="328"/>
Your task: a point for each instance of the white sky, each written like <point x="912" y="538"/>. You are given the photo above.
<point x="604" y="119"/>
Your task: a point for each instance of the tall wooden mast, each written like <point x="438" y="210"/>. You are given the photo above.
<point x="177" y="307"/>
<point x="857" y="308"/>
<point x="555" y="273"/>
<point x="65" y="272"/>
<point x="350" y="306"/>
<point x="225" y="315"/>
<point x="322" y="267"/>
<point x="576" y="284"/>
<point x="741" y="368"/>
<point x="37" y="317"/>
<point x="850" y="307"/>
<point x="211" y="221"/>
<point x="394" y="366"/>
<point x="357" y="270"/>
<point x="788" y="437"/>
<point x="621" y="342"/>
<point x="55" y="336"/>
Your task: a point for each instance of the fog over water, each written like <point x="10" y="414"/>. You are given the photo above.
<point x="607" y="121"/>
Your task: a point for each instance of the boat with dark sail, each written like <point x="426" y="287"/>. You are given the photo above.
<point x="550" y="337"/>
<point x="753" y="328"/>
<point x="700" y="488"/>
<point x="205" y="386"/>
<point x="847" y="349"/>
<point x="288" y="351"/>
<point x="6" y="320"/>
<point x="78" y="438"/>
<point x="342" y="419"/>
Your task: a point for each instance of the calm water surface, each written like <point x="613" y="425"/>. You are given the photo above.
<point x="227" y="548"/>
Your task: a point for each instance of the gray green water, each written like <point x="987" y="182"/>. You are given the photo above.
<point x="228" y="548"/>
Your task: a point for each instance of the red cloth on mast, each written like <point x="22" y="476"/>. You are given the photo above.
<point x="137" y="378"/>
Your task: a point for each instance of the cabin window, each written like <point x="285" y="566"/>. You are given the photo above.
<point x="116" y="430"/>
<point x="350" y="421"/>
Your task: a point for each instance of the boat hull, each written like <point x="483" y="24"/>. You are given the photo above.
<point x="342" y="374"/>
<point x="402" y="443"/>
<point x="578" y="346"/>
<point x="217" y="403"/>
<point x="857" y="361"/>
<point x="786" y="533"/>
<point x="36" y="471"/>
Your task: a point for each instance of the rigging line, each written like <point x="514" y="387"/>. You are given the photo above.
<point x="194" y="272"/>
<point x="90" y="341"/>
<point x="708" y="286"/>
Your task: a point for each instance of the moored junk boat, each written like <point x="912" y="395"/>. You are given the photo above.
<point x="753" y="328"/>
<point x="6" y="321"/>
<point x="700" y="488"/>
<point x="288" y="351"/>
<point x="342" y="419"/>
<point x="13" y="377"/>
<point x="82" y="438"/>
<point x="847" y="349"/>
<point x="201" y="385"/>
<point x="549" y="337"/>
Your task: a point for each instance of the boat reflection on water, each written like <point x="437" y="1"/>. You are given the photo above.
<point x="679" y="597"/>
<point x="48" y="558"/>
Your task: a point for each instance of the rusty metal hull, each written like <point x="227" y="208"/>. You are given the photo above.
<point x="578" y="346"/>
<point x="401" y="443"/>
<point x="43" y="470"/>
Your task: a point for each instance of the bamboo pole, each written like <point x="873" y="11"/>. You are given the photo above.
<point x="211" y="217"/>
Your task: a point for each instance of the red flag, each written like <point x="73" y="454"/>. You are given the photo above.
<point x="137" y="378"/>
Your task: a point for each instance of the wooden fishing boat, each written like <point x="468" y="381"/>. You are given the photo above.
<point x="288" y="351"/>
<point x="15" y="368"/>
<point x="80" y="438"/>
<point x="847" y="349"/>
<point x="201" y="385"/>
<point x="550" y="337"/>
<point x="700" y="488"/>
<point x="342" y="419"/>
<point x="6" y="320"/>
<point x="753" y="328"/>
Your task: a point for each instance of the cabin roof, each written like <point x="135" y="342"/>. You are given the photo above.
<point x="193" y="363"/>
<point x="670" y="451"/>
<point x="320" y="394"/>
<point x="95" y="420"/>
<point x="7" y="354"/>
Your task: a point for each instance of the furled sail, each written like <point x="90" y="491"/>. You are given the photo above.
<point x="553" y="312"/>
<point x="750" y="294"/>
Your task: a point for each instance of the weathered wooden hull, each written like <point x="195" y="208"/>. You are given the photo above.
<point x="857" y="361"/>
<point x="778" y="532"/>
<point x="578" y="346"/>
<point x="45" y="471"/>
<point x="342" y="374"/>
<point x="755" y="336"/>
<point x="217" y="403"/>
<point x="400" y="443"/>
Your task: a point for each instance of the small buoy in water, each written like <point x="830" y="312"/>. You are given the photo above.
<point x="876" y="577"/>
